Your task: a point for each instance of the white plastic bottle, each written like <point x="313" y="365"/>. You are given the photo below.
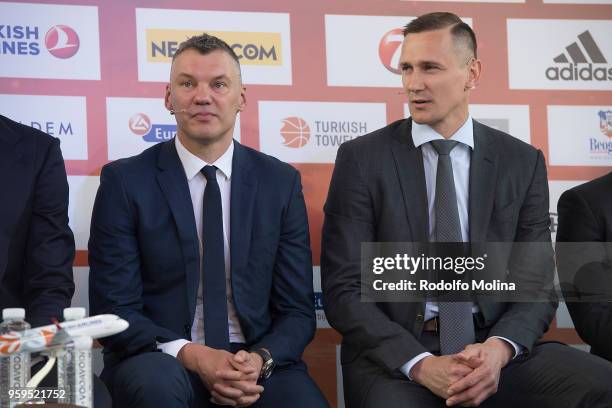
<point x="14" y="369"/>
<point x="74" y="367"/>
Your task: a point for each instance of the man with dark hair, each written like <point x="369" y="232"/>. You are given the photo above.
<point x="584" y="260"/>
<point x="463" y="36"/>
<point x="441" y="176"/>
<point x="202" y="245"/>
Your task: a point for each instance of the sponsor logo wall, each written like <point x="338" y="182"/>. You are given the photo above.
<point x="562" y="54"/>
<point x="82" y="191"/>
<point x="260" y="40"/>
<point x="311" y="132"/>
<point x="316" y="76"/>
<point x="580" y="135"/>
<point x="64" y="117"/>
<point x="375" y="61"/>
<point x="49" y="41"/>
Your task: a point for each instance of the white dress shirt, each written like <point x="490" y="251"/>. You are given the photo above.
<point x="197" y="184"/>
<point x="461" y="157"/>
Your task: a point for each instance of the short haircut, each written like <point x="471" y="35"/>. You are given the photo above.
<point x="205" y="44"/>
<point x="460" y="31"/>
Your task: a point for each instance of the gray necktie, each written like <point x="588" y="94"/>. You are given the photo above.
<point x="456" y="322"/>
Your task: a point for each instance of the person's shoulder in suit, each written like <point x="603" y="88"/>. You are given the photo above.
<point x="516" y="160"/>
<point x="508" y="146"/>
<point x="597" y="193"/>
<point x="142" y="162"/>
<point x="268" y="168"/>
<point x="136" y="174"/>
<point x="379" y="138"/>
<point x="372" y="147"/>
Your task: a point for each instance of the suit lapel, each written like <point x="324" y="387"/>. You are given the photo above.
<point x="411" y="173"/>
<point x="242" y="200"/>
<point x="173" y="183"/>
<point x="483" y="176"/>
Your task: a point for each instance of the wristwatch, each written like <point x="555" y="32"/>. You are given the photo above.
<point x="268" y="363"/>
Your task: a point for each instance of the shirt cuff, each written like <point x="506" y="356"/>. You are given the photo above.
<point x="172" y="347"/>
<point x="518" y="349"/>
<point x="405" y="369"/>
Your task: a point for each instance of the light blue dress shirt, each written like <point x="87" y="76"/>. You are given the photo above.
<point x="461" y="157"/>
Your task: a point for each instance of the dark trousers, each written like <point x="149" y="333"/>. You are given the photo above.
<point x="157" y="379"/>
<point x="553" y="375"/>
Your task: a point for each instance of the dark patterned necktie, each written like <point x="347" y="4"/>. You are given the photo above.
<point x="216" y="330"/>
<point x="456" y="322"/>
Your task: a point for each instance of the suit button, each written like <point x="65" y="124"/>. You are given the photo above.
<point x="420" y="318"/>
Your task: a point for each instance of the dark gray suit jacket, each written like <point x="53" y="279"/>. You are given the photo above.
<point x="585" y="215"/>
<point x="378" y="193"/>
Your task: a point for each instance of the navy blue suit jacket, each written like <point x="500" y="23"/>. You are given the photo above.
<point x="144" y="254"/>
<point x="36" y="244"/>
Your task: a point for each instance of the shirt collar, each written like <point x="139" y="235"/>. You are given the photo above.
<point x="193" y="164"/>
<point x="422" y="134"/>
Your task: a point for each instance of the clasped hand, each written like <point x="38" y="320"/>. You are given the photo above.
<point x="230" y="378"/>
<point x="466" y="378"/>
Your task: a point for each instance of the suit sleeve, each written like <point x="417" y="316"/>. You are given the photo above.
<point x="525" y="322"/>
<point x="50" y="246"/>
<point x="115" y="283"/>
<point x="584" y="268"/>
<point x="349" y="221"/>
<point x="292" y="297"/>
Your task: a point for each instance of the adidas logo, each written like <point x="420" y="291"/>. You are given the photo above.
<point x="576" y="54"/>
<point x="583" y="51"/>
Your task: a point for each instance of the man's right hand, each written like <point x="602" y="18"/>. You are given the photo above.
<point x="214" y="367"/>
<point x="437" y="373"/>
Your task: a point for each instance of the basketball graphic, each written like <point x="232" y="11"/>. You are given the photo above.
<point x="295" y="132"/>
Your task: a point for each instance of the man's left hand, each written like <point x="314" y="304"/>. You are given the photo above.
<point x="487" y="359"/>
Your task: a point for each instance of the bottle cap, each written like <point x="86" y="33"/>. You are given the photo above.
<point x="13" y="313"/>
<point x="74" y="313"/>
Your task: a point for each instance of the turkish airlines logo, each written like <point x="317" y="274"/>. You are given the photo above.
<point x="390" y="48"/>
<point x="140" y="124"/>
<point x="62" y="41"/>
<point x="295" y="132"/>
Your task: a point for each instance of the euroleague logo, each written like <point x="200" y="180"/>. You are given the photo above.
<point x="295" y="132"/>
<point x="140" y="124"/>
<point x="389" y="49"/>
<point x="62" y="41"/>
